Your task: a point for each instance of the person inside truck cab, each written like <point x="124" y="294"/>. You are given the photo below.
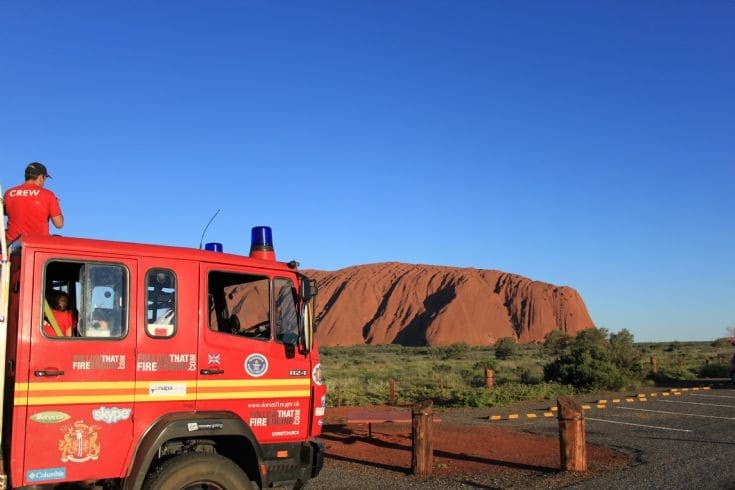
<point x="29" y="206"/>
<point x="63" y="315"/>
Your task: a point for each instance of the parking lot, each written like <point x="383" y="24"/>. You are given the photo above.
<point x="675" y="439"/>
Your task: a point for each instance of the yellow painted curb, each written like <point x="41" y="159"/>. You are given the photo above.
<point x="548" y="414"/>
<point x="512" y="416"/>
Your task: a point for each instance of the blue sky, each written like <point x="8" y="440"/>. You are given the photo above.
<point x="588" y="144"/>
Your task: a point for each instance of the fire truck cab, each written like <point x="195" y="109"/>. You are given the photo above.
<point x="169" y="368"/>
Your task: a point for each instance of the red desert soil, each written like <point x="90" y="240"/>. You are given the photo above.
<point x="408" y="304"/>
<point x="458" y="448"/>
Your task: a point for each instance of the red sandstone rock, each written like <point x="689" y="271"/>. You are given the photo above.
<point x="395" y="303"/>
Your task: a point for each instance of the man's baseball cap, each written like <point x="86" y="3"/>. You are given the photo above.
<point x="34" y="169"/>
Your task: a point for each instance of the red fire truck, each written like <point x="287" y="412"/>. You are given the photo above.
<point x="184" y="368"/>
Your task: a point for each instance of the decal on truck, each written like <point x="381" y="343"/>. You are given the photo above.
<point x="80" y="443"/>
<point x="111" y="415"/>
<point x="97" y="362"/>
<point x="256" y="365"/>
<point x="316" y="374"/>
<point x="166" y="362"/>
<point x="50" y="417"/>
<point x="46" y="474"/>
<point x="167" y="389"/>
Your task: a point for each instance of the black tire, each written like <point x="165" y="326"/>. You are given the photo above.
<point x="198" y="471"/>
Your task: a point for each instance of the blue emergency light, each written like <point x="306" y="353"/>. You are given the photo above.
<point x="213" y="247"/>
<point x="261" y="243"/>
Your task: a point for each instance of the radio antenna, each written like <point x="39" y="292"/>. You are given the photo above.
<point x="201" y="240"/>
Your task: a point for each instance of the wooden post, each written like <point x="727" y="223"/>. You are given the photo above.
<point x="441" y="386"/>
<point x="654" y="368"/>
<point x="422" y="459"/>
<point x="489" y="379"/>
<point x="339" y="395"/>
<point x="392" y="396"/>
<point x="571" y="435"/>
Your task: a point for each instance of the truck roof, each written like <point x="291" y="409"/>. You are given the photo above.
<point x="75" y="244"/>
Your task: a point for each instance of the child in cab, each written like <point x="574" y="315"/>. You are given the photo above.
<point x="64" y="316"/>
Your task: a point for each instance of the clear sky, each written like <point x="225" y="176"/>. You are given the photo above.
<point x="589" y="144"/>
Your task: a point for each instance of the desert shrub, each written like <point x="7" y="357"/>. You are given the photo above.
<point x="673" y="346"/>
<point x="714" y="370"/>
<point x="452" y="351"/>
<point x="721" y="342"/>
<point x="531" y="375"/>
<point x="484" y="364"/>
<point x="625" y="355"/>
<point x="591" y="362"/>
<point x="673" y="373"/>
<point x="505" y="347"/>
<point x="554" y="342"/>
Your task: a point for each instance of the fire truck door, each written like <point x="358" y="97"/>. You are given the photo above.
<point x="247" y="361"/>
<point x="80" y="377"/>
<point x="166" y="363"/>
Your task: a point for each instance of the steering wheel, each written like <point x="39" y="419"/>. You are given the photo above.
<point x="256" y="329"/>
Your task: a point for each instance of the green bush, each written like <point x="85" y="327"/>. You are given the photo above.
<point x="505" y="347"/>
<point x="591" y="362"/>
<point x="714" y="370"/>
<point x="531" y="375"/>
<point x="555" y="342"/>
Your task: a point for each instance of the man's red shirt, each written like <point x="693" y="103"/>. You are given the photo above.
<point x="29" y="208"/>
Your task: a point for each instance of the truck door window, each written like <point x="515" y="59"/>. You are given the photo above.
<point x="61" y="300"/>
<point x="160" y="303"/>
<point x="96" y="295"/>
<point x="239" y="304"/>
<point x="287" y="323"/>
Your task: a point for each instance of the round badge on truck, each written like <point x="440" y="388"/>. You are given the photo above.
<point x="256" y="365"/>
<point x="316" y="374"/>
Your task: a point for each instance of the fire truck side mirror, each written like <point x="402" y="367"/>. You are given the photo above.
<point x="306" y="330"/>
<point x="309" y="289"/>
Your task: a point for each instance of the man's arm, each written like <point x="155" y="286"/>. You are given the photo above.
<point x="58" y="221"/>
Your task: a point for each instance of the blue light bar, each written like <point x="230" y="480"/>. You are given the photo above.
<point x="261" y="238"/>
<point x="213" y="246"/>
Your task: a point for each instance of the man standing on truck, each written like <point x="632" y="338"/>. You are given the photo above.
<point x="29" y="206"/>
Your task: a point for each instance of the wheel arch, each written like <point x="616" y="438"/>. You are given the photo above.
<point x="217" y="426"/>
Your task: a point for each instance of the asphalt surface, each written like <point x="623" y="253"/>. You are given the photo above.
<point x="678" y="441"/>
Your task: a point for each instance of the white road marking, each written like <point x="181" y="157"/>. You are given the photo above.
<point x="696" y="403"/>
<point x="677" y="413"/>
<point x="638" y="425"/>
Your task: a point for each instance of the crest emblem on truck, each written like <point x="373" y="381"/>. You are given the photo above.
<point x="256" y="365"/>
<point x="80" y="443"/>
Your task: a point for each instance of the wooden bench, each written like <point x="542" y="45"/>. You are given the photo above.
<point x="382" y="417"/>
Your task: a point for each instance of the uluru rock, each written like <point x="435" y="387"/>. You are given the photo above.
<point x="395" y="303"/>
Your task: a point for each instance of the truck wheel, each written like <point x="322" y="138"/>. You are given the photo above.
<point x="198" y="471"/>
